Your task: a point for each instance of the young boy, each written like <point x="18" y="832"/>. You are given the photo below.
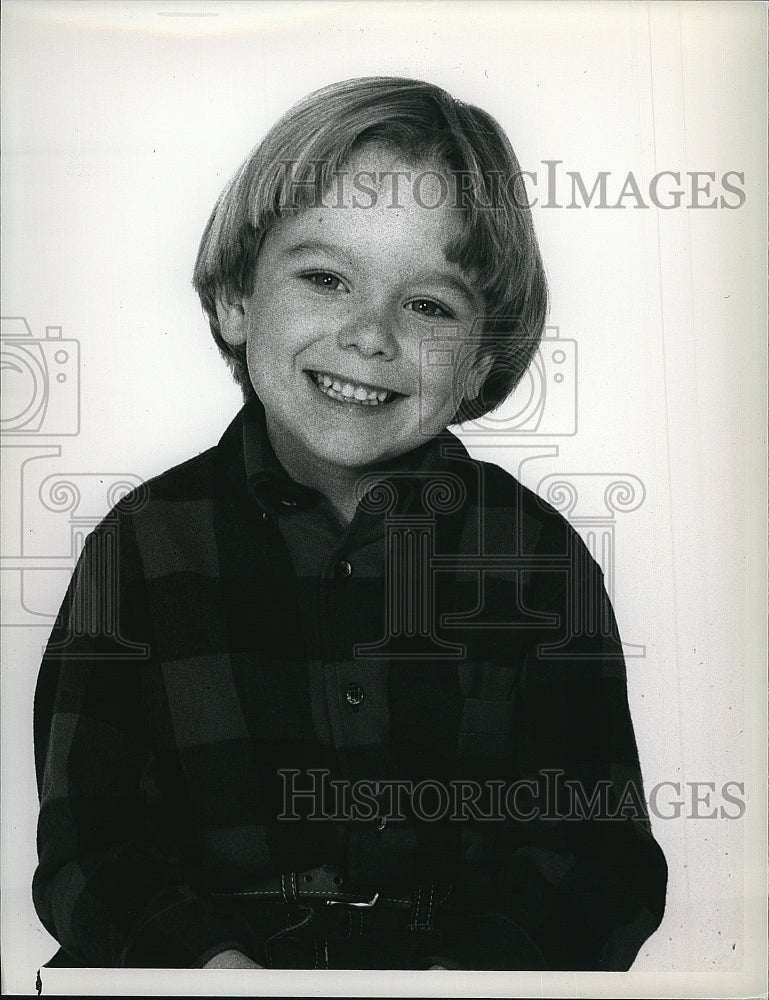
<point x="365" y="703"/>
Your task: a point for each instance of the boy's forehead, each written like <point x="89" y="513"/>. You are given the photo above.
<point x="378" y="200"/>
<point x="390" y="176"/>
<point x="408" y="239"/>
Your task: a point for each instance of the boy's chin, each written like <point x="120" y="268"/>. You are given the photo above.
<point x="358" y="457"/>
<point x="352" y="459"/>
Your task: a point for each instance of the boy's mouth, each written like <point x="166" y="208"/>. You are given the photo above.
<point x="352" y="392"/>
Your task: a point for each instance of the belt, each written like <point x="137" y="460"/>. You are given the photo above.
<point x="327" y="884"/>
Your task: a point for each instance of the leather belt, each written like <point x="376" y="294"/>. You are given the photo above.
<point x="322" y="884"/>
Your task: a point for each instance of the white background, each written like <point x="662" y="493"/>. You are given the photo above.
<point x="121" y="124"/>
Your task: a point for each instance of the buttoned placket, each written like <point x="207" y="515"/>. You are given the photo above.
<point x="356" y="688"/>
<point x="350" y="697"/>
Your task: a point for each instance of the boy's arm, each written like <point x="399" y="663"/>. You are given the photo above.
<point x="580" y="886"/>
<point x="106" y="887"/>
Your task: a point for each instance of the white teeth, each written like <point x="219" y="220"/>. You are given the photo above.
<point x="348" y="391"/>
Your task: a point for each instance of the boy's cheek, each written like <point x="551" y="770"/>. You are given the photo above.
<point x="440" y="391"/>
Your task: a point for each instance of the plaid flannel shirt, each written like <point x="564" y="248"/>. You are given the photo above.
<point x="221" y="647"/>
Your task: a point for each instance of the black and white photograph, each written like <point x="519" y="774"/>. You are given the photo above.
<point x="384" y="498"/>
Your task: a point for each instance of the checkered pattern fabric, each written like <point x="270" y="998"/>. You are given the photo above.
<point x="227" y="651"/>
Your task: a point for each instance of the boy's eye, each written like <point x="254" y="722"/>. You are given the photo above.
<point x="325" y="280"/>
<point x="426" y="307"/>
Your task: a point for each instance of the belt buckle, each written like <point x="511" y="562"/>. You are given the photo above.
<point x="343" y="902"/>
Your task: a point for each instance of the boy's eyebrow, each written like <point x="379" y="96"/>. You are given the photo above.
<point x="311" y="246"/>
<point x="450" y="279"/>
<point x="315" y="246"/>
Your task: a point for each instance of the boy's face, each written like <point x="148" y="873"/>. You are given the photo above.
<point x="342" y="299"/>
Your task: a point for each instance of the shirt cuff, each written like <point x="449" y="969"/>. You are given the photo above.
<point x="494" y="941"/>
<point x="183" y="935"/>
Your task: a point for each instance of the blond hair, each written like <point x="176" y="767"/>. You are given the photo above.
<point x="317" y="136"/>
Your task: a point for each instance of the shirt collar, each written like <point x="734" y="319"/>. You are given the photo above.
<point x="271" y="487"/>
<point x="268" y="482"/>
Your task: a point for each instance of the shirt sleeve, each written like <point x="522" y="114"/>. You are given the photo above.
<point x="108" y="886"/>
<point x="577" y="879"/>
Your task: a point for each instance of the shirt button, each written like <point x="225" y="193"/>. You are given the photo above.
<point x="354" y="694"/>
<point x="344" y="568"/>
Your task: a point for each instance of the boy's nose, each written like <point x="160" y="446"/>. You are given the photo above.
<point x="372" y="334"/>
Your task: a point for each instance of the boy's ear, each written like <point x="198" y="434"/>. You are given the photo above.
<point x="232" y="319"/>
<point x="476" y="376"/>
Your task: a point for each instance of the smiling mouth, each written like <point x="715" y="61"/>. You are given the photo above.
<point x="352" y="392"/>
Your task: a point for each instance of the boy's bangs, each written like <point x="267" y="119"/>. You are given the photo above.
<point x="310" y="179"/>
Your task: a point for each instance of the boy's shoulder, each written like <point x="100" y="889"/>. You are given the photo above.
<point x="534" y="515"/>
<point x="188" y="481"/>
<point x="198" y="480"/>
<point x="507" y="507"/>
